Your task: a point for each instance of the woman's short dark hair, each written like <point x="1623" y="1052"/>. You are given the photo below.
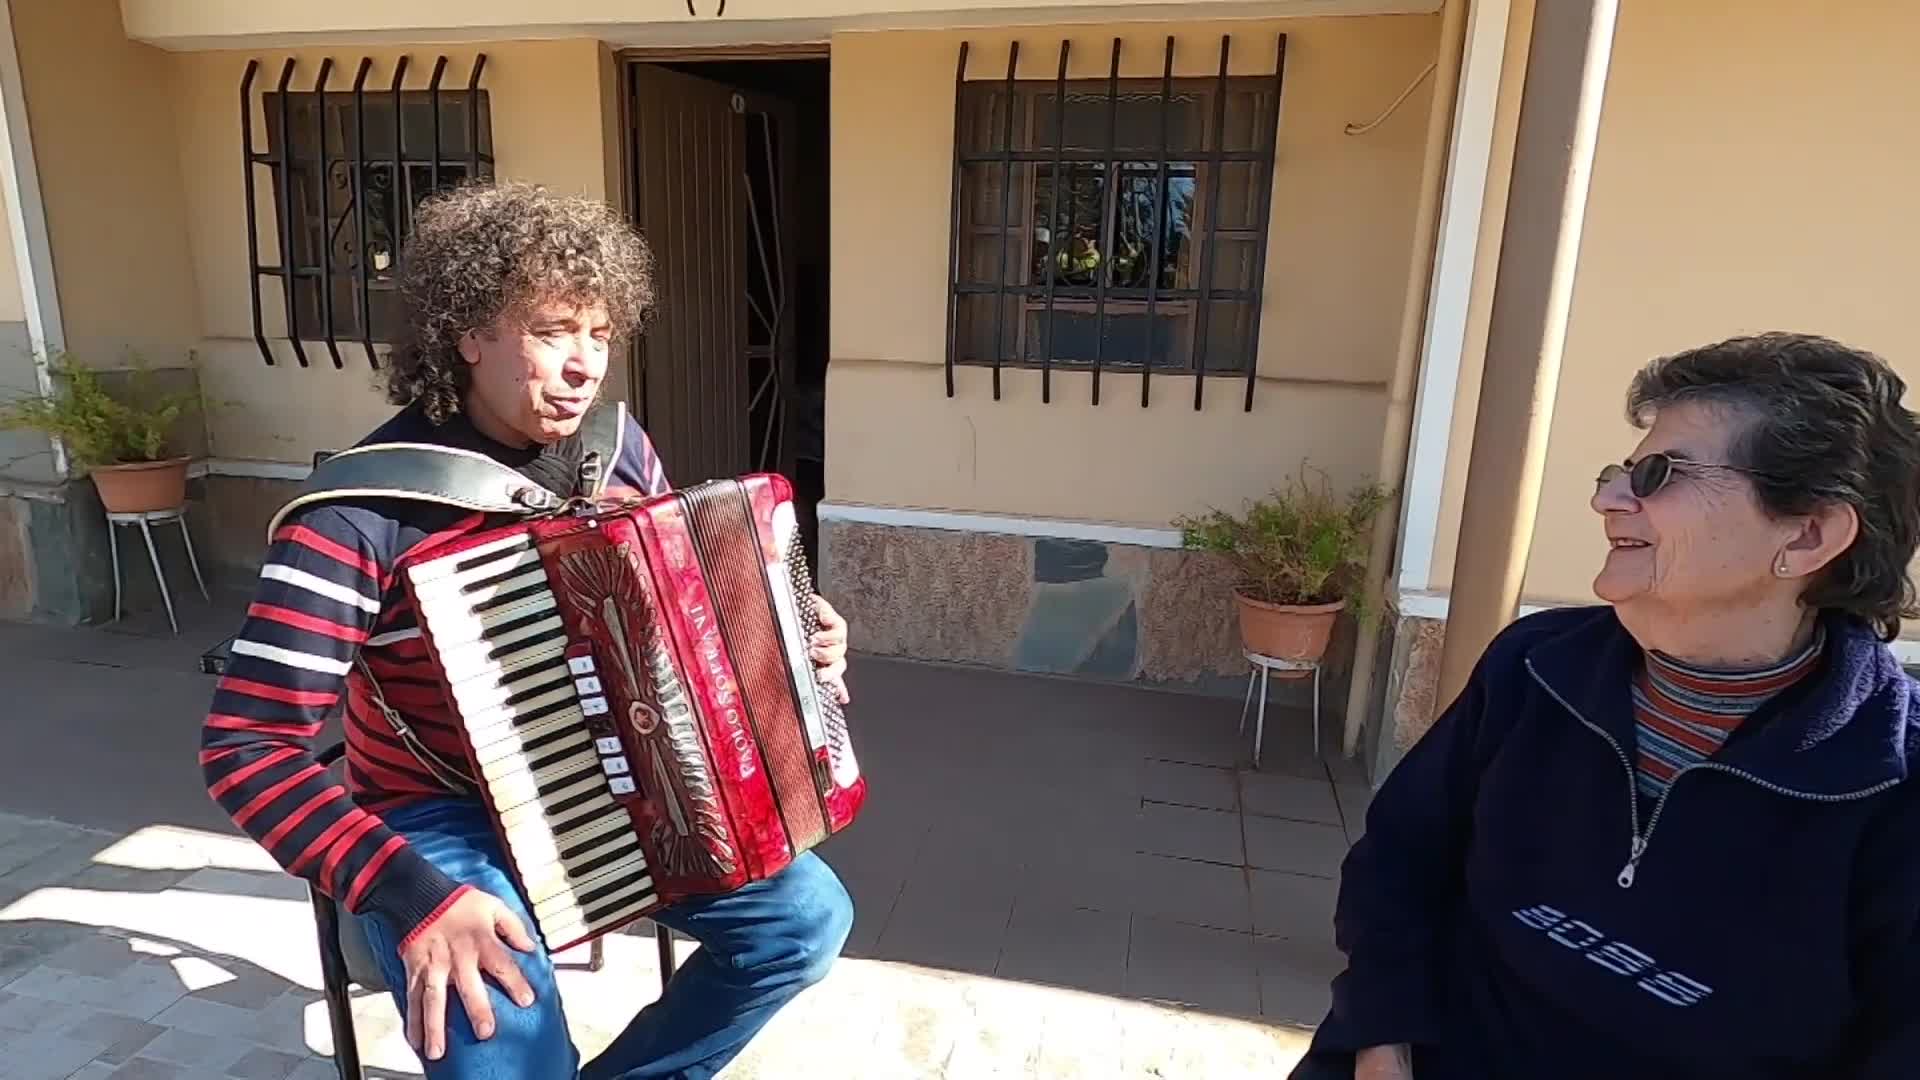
<point x="1823" y="424"/>
<point x="489" y="248"/>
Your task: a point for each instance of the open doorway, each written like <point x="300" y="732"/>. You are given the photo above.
<point x="728" y="179"/>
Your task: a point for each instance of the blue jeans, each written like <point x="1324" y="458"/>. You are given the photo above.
<point x="760" y="946"/>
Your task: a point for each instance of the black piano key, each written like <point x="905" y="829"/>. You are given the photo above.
<point x="510" y="567"/>
<point x="578" y="848"/>
<point x="469" y="562"/>
<point x="600" y="911"/>
<point x="584" y="870"/>
<point x="527" y="718"/>
<point x="562" y="823"/>
<point x="567" y="780"/>
<point x="510" y="626"/>
<point x="555" y="679"/>
<point x="503" y="599"/>
<point x="541" y="742"/>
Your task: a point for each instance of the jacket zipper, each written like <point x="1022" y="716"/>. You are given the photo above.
<point x="1638" y="848"/>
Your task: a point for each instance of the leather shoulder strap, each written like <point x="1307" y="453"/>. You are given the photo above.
<point x="427" y="472"/>
<point x="422" y="472"/>
<point x="603" y="435"/>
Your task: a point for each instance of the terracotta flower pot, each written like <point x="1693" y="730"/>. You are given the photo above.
<point x="142" y="486"/>
<point x="1287" y="631"/>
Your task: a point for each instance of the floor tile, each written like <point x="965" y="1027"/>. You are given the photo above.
<point x="1186" y="833"/>
<point x="123" y="1035"/>
<point x="100" y="955"/>
<point x="201" y="1052"/>
<point x="949" y="925"/>
<point x="1295" y="979"/>
<point x="1204" y="786"/>
<point x="1279" y="795"/>
<point x="1203" y="894"/>
<point x="264" y="1064"/>
<point x="1354" y="801"/>
<point x="1295" y="846"/>
<point x="46" y="1055"/>
<point x="1190" y="965"/>
<point x="1066" y="946"/>
<point x="19" y="1012"/>
<point x="1293" y="905"/>
<point x="137" y="993"/>
<point x="148" y="1069"/>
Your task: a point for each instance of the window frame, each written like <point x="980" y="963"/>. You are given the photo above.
<point x="321" y="231"/>
<point x="1029" y="159"/>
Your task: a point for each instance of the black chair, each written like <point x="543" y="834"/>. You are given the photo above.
<point x="345" y="960"/>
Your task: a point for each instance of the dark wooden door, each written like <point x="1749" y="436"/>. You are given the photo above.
<point x="690" y="368"/>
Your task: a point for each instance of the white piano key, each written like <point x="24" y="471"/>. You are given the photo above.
<point x="458" y="659"/>
<point x="513" y="732"/>
<point x="439" y="569"/>
<point x="453" y="627"/>
<point x="451" y="585"/>
<point x="501" y="712"/>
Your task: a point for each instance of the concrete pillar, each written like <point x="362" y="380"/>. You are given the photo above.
<point x="1533" y="290"/>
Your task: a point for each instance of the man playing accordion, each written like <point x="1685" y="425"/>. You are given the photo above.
<point x="513" y="297"/>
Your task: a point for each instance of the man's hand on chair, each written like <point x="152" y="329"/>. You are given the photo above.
<point x="454" y="950"/>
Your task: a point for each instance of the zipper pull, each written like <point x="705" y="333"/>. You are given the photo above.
<point x="1633" y="861"/>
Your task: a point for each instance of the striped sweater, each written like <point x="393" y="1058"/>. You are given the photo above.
<point x="1683" y="713"/>
<point x="327" y="595"/>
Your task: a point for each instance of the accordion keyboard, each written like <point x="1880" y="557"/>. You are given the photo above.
<point x="524" y="703"/>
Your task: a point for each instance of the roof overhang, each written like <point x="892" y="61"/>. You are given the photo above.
<point x="228" y="24"/>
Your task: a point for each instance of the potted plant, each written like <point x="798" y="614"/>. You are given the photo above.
<point x="121" y="442"/>
<point x="1300" y="556"/>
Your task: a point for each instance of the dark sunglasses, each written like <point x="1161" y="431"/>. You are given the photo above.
<point x="1648" y="475"/>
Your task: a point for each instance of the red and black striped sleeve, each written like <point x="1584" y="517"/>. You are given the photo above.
<point x="319" y="594"/>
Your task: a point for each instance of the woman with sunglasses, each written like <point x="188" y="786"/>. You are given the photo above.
<point x="1677" y="834"/>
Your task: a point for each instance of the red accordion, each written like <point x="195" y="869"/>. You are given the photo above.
<point x="637" y="702"/>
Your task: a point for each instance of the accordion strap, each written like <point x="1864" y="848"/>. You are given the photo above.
<point x="434" y="763"/>
<point x="449" y="476"/>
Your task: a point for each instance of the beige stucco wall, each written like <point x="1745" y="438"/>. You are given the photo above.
<point x="103" y="140"/>
<point x="1342" y="225"/>
<point x="547" y="101"/>
<point x="1753" y="172"/>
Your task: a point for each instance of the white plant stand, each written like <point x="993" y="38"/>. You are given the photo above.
<point x="145" y="521"/>
<point x="1264" y="668"/>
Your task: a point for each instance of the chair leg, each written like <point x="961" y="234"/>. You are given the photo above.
<point x="1316" y="713"/>
<point x="333" y="987"/>
<point x="159" y="575"/>
<point x="663" y="941"/>
<point x="1248" y="703"/>
<point x="187" y="539"/>
<point x="1260" y="724"/>
<point x="113" y="544"/>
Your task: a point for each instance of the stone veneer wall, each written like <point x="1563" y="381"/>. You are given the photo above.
<point x="1401" y="706"/>
<point x="1084" y="608"/>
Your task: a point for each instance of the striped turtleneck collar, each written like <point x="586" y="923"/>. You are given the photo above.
<point x="1684" y="712"/>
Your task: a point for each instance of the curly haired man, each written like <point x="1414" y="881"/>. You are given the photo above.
<point x="514" y="296"/>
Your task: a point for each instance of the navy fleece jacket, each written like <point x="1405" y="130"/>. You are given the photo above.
<point x="1512" y="913"/>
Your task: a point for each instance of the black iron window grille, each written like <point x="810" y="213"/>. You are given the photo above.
<point x="348" y="169"/>
<point x="1111" y="224"/>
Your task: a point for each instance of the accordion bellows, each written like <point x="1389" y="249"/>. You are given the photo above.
<point x="636" y="699"/>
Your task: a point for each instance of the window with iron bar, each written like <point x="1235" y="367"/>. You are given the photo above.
<point x="347" y="171"/>
<point x="1111" y="224"/>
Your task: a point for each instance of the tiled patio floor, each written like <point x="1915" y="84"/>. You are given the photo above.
<point x="1035" y="853"/>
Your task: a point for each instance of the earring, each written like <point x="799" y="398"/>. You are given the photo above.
<point x="1780" y="568"/>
